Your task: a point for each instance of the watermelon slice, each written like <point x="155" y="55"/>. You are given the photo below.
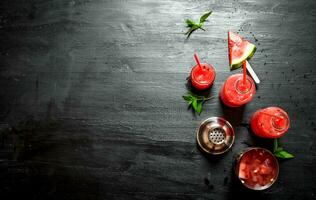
<point x="238" y="50"/>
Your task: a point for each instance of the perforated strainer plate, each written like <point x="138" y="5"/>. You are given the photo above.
<point x="215" y="135"/>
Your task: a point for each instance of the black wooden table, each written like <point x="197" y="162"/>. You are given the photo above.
<point x="91" y="97"/>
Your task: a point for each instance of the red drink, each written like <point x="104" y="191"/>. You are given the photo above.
<point x="202" y="77"/>
<point x="257" y="168"/>
<point x="235" y="93"/>
<point x="271" y="122"/>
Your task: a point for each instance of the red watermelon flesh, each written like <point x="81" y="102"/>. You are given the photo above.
<point x="238" y="50"/>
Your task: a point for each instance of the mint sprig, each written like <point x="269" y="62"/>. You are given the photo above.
<point x="279" y="152"/>
<point x="205" y="16"/>
<point x="193" y="26"/>
<point x="195" y="101"/>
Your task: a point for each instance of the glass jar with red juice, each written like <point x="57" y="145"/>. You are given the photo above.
<point x="202" y="77"/>
<point x="236" y="92"/>
<point x="271" y="122"/>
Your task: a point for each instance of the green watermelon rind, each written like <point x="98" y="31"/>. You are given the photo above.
<point x="251" y="49"/>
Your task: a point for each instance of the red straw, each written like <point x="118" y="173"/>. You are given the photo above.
<point x="280" y="118"/>
<point x="244" y="72"/>
<point x="197" y="61"/>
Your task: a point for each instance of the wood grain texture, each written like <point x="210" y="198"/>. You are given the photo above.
<point x="91" y="106"/>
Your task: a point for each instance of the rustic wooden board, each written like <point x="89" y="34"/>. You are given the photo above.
<point x="91" y="106"/>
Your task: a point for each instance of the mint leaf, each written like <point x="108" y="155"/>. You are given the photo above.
<point x="187" y="98"/>
<point x="194" y="104"/>
<point x="199" y="107"/>
<point x="195" y="101"/>
<point x="205" y="16"/>
<point x="279" y="152"/>
<point x="190" y="23"/>
<point x="193" y="26"/>
<point x="283" y="154"/>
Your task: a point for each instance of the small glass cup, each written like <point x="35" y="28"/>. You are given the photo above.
<point x="257" y="168"/>
<point x="203" y="77"/>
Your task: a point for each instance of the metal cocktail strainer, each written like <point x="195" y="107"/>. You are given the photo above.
<point x="215" y="135"/>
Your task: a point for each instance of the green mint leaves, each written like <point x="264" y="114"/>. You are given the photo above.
<point x="283" y="154"/>
<point x="195" y="101"/>
<point x="279" y="152"/>
<point x="193" y="26"/>
<point x="205" y="16"/>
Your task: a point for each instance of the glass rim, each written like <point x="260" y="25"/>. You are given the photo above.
<point x="277" y="127"/>
<point x="272" y="156"/>
<point x="212" y="71"/>
<point x="239" y="82"/>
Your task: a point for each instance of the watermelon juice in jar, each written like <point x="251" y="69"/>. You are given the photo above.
<point x="235" y="92"/>
<point x="271" y="122"/>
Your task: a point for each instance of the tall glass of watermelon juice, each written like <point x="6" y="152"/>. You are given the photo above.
<point x="235" y="92"/>
<point x="271" y="122"/>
